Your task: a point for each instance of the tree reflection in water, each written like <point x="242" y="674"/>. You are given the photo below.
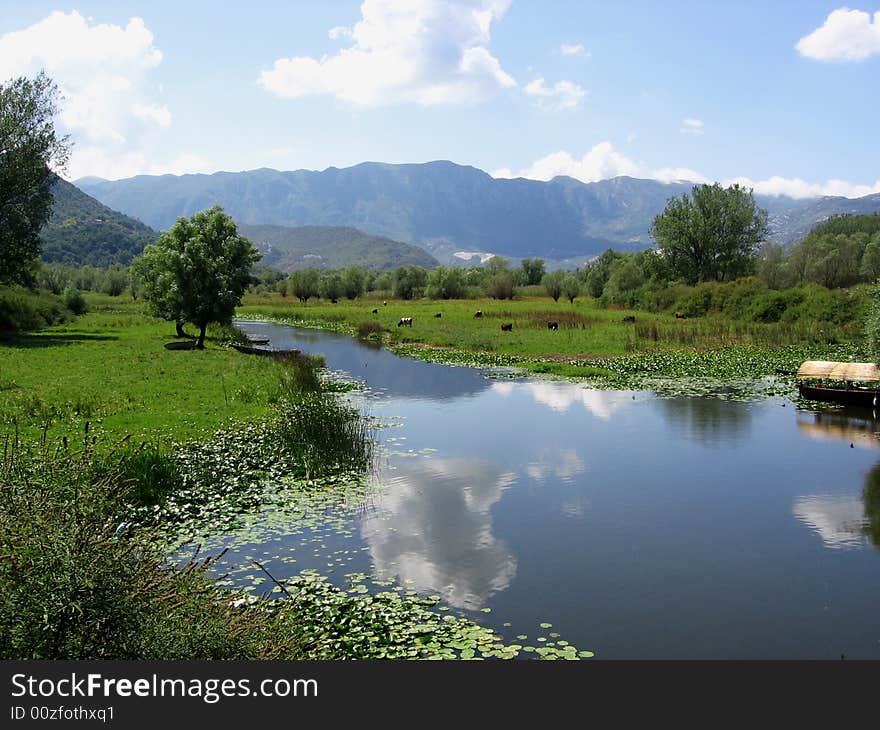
<point x="710" y="421"/>
<point x="871" y="498"/>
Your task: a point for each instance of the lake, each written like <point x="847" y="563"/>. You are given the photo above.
<point x="639" y="527"/>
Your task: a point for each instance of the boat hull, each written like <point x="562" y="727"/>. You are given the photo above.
<point x="865" y="397"/>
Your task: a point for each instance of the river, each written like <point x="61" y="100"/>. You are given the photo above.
<point x="639" y="527"/>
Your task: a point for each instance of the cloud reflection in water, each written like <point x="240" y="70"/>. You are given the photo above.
<point x="433" y="529"/>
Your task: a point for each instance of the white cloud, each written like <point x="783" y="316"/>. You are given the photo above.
<point x="573" y="49"/>
<point x="797" y="188"/>
<point x="118" y="164"/>
<point x="846" y="35"/>
<point x="562" y="95"/>
<point x="339" y="31"/>
<point x="101" y="71"/>
<point x="430" y="52"/>
<point x="678" y="174"/>
<point x="160" y="115"/>
<point x="692" y="126"/>
<point x="600" y="163"/>
<point x="603" y="162"/>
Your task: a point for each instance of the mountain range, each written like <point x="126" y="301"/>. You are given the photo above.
<point x="446" y="208"/>
<point x="83" y="231"/>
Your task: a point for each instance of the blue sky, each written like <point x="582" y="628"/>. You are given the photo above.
<point x="781" y="95"/>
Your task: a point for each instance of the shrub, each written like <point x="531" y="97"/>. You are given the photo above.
<point x="22" y="310"/>
<point x="74" y="300"/>
<point x="370" y="329"/>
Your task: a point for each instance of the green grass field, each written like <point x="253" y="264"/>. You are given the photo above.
<point x="110" y="367"/>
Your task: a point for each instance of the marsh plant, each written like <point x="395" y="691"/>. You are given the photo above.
<point x="324" y="434"/>
<point x="299" y="374"/>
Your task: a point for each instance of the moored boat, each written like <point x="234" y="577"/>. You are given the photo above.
<point x="847" y="383"/>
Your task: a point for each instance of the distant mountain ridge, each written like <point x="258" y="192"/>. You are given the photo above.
<point x="331" y="247"/>
<point x="445" y="207"/>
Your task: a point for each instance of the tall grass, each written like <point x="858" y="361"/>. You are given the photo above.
<point x="315" y="427"/>
<point x="74" y="586"/>
<point x="324" y="434"/>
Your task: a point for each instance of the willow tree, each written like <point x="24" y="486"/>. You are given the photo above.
<point x="712" y="234"/>
<point x="197" y="271"/>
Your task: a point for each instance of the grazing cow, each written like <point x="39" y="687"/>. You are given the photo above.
<point x="405" y="322"/>
<point x="478" y="313"/>
<point x="629" y="318"/>
<point x="384" y="304"/>
<point x="507" y="327"/>
<point x="553" y="326"/>
<point x="680" y="315"/>
<point x="375" y="311"/>
<point x="439" y="314"/>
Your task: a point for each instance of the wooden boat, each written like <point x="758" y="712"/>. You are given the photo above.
<point x="265" y="351"/>
<point x="845" y="383"/>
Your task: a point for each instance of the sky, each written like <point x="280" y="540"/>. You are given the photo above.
<point x="780" y="96"/>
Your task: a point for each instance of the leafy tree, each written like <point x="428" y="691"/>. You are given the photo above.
<point x="532" y="270"/>
<point x="303" y="284"/>
<point x="711" y="235"/>
<point x="409" y="281"/>
<point x="198" y="271"/>
<point x="445" y="282"/>
<point x="501" y="285"/>
<point x="552" y="284"/>
<point x="53" y="277"/>
<point x="834" y="260"/>
<point x="331" y="286"/>
<point x="772" y="266"/>
<point x="872" y="323"/>
<point x="29" y="147"/>
<point x="354" y="280"/>
<point x="626" y="276"/>
<point x="870" y="266"/>
<point x="596" y="273"/>
<point x="115" y="280"/>
<point x="571" y="287"/>
<point x="496" y="265"/>
<point x="383" y="281"/>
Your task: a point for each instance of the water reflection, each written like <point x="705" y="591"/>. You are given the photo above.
<point x="839" y="521"/>
<point x="384" y="371"/>
<point x="851" y="425"/>
<point x="560" y="397"/>
<point x="871" y="499"/>
<point x="433" y="529"/>
<point x="562" y="463"/>
<point x="710" y="421"/>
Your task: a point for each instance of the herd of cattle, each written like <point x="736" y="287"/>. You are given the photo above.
<point x="508" y="326"/>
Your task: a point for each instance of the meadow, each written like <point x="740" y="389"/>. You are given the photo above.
<point x="110" y="367"/>
<point x="592" y="341"/>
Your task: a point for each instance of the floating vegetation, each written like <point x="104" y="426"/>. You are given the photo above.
<point x="732" y="373"/>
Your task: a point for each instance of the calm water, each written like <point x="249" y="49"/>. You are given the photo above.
<point x="640" y="527"/>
